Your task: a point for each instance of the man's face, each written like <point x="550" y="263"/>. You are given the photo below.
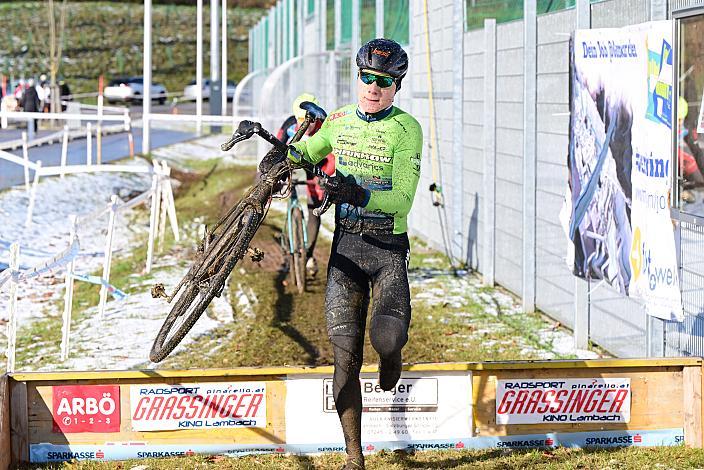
<point x="373" y="98"/>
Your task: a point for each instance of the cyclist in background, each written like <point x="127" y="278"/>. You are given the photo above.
<point x="377" y="149"/>
<point x="315" y="193"/>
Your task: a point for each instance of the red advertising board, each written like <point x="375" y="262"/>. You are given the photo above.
<point x="86" y="408"/>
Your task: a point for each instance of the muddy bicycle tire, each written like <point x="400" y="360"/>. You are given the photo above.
<point x="299" y="250"/>
<point x="240" y="238"/>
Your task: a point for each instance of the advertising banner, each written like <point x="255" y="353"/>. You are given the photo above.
<point x="85" y="408"/>
<point x="620" y="170"/>
<point x="418" y="408"/>
<point x="162" y="407"/>
<point x="539" y="401"/>
<point x="44" y="452"/>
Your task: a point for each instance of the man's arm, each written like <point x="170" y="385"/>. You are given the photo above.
<point x="314" y="149"/>
<point x="405" y="176"/>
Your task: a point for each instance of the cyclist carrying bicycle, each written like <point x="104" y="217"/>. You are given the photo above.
<point x="377" y="149"/>
<point x="315" y="192"/>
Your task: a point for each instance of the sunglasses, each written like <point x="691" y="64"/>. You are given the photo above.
<point x="382" y="81"/>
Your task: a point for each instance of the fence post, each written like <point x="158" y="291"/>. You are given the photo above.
<point x="582" y="297"/>
<point x="33" y="194"/>
<point x="12" y="321"/>
<point x="171" y="204"/>
<point x="163" y="204"/>
<point x="25" y="156"/>
<point x="89" y="144"/>
<point x="457" y="237"/>
<point x="489" y="178"/>
<point x="108" y="256"/>
<point x="128" y="121"/>
<point x="530" y="154"/>
<point x="99" y="126"/>
<point x="64" y="150"/>
<point x="582" y="300"/>
<point x="130" y="138"/>
<point x="152" y="220"/>
<point x="68" y="296"/>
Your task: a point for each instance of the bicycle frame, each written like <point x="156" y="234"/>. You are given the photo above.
<point x="293" y="203"/>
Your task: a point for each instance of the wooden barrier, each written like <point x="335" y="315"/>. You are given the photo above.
<point x="661" y="398"/>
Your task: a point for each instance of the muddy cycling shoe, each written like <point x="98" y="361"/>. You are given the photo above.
<point x="353" y="463"/>
<point x="389" y="371"/>
<point x="312" y="267"/>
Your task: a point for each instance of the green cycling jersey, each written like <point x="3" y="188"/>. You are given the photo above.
<point x="382" y="152"/>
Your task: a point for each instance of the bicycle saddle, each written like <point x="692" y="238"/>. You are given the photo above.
<point x="315" y="111"/>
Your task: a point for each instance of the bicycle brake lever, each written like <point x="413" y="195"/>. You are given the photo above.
<point x="245" y="130"/>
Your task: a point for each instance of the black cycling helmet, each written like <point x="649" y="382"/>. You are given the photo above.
<point x="384" y="55"/>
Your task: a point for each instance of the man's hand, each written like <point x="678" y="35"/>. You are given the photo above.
<point x="270" y="159"/>
<point x="342" y="189"/>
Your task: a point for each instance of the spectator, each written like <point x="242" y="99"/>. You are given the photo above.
<point x="64" y="93"/>
<point x="41" y="93"/>
<point x="19" y="90"/>
<point x="31" y="102"/>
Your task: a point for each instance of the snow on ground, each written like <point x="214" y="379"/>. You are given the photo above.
<point x="48" y="234"/>
<point x="440" y="288"/>
<point x="123" y="337"/>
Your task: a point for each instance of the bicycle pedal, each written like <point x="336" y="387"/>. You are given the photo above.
<point x="158" y="290"/>
<point x="255" y="254"/>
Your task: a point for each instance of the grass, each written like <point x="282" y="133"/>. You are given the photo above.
<point x="562" y="458"/>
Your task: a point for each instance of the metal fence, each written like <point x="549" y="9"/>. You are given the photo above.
<point x="488" y="214"/>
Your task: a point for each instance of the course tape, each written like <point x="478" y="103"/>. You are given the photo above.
<point x="5" y="245"/>
<point x="114" y="291"/>
<point x="58" y="261"/>
<point x="40" y="453"/>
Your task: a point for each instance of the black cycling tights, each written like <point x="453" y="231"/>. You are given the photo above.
<point x="358" y="263"/>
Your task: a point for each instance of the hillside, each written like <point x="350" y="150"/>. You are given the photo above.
<point x="106" y="38"/>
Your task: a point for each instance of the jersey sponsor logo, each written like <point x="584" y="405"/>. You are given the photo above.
<point x="360" y="165"/>
<point x="364" y="156"/>
<point x="340" y="114"/>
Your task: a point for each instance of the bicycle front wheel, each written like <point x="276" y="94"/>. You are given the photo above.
<point x="299" y="249"/>
<point x="195" y="296"/>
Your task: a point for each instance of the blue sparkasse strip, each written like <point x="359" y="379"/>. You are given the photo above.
<point x="42" y="453"/>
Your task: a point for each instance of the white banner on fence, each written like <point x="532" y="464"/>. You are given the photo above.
<point x="546" y="400"/>
<point x="418" y="408"/>
<point x="162" y="407"/>
<point x="620" y="162"/>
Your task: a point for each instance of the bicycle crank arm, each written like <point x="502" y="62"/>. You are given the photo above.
<point x="323" y="207"/>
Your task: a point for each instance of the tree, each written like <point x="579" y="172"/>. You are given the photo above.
<point x="55" y="49"/>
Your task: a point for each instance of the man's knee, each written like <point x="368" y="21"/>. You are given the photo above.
<point x="388" y="334"/>
<point x="348" y="357"/>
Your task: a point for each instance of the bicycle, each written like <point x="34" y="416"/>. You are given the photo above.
<point x="294" y="239"/>
<point x="228" y="241"/>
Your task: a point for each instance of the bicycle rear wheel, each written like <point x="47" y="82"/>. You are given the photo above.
<point x="299" y="249"/>
<point x="195" y="296"/>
